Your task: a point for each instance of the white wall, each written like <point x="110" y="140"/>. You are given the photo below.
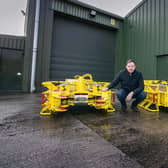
<point x="11" y="18"/>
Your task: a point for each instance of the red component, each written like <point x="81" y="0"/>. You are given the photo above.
<point x="100" y="100"/>
<point x="81" y="94"/>
<point x="113" y="97"/>
<point x="154" y="98"/>
<point x="43" y="99"/>
<point x="62" y="108"/>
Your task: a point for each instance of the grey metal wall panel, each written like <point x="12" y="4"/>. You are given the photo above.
<point x="80" y="48"/>
<point x="12" y="42"/>
<point x="147" y="35"/>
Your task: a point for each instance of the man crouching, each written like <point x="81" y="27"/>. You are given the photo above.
<point x="132" y="86"/>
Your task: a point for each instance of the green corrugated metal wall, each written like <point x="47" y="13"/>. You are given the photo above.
<point x="146" y="35"/>
<point x="12" y="42"/>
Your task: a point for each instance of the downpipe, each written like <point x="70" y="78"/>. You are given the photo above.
<point x="35" y="43"/>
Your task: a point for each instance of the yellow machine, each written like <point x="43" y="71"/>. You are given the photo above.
<point x="80" y="90"/>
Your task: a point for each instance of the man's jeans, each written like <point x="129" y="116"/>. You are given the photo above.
<point x="122" y="94"/>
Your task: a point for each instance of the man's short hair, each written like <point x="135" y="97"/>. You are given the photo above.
<point x="130" y="60"/>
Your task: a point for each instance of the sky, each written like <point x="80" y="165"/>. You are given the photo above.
<point x="12" y="20"/>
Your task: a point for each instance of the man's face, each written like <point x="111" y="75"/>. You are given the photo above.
<point x="130" y="67"/>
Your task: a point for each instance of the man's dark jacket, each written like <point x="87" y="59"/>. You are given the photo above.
<point x="129" y="82"/>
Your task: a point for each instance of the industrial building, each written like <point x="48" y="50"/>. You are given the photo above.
<point x="75" y="38"/>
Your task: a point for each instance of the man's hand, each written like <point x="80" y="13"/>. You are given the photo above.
<point x="129" y="96"/>
<point x="105" y="89"/>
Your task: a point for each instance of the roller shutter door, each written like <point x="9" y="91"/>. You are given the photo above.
<point x="79" y="48"/>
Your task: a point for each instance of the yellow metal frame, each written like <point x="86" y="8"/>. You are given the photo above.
<point x="63" y="94"/>
<point x="157" y="95"/>
<point x="149" y="106"/>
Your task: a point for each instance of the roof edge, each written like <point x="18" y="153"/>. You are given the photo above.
<point x="11" y="36"/>
<point x="135" y="8"/>
<point x="96" y="9"/>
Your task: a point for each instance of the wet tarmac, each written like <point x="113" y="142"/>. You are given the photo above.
<point x="142" y="136"/>
<point x="80" y="138"/>
<point x="62" y="141"/>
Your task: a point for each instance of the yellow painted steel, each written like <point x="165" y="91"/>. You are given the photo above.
<point x="157" y="95"/>
<point x="82" y="89"/>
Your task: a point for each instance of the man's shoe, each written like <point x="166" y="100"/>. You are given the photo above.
<point x="134" y="108"/>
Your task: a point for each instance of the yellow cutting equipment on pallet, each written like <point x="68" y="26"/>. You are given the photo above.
<point x="80" y="90"/>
